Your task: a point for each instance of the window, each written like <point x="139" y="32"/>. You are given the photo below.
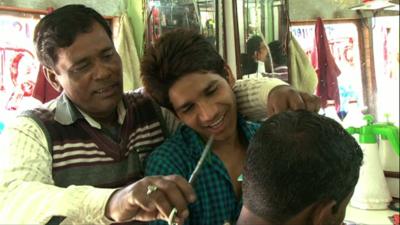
<point x="386" y="55"/>
<point x="18" y="67"/>
<point x="344" y="46"/>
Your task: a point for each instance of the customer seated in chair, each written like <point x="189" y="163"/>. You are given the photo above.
<point x="301" y="169"/>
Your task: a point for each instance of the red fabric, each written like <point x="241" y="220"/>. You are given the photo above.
<point x="325" y="65"/>
<point x="43" y="91"/>
<point x="396" y="219"/>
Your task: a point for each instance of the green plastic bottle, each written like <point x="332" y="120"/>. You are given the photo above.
<point x="371" y="191"/>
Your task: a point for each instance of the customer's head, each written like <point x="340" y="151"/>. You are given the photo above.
<point x="184" y="73"/>
<point x="301" y="169"/>
<point x="74" y="43"/>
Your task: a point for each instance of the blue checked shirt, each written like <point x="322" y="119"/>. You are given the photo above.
<point x="216" y="201"/>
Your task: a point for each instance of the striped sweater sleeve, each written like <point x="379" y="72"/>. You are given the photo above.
<point x="172" y="122"/>
<point x="27" y="191"/>
<point x="252" y="94"/>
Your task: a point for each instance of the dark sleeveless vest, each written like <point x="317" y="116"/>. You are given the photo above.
<point x="84" y="155"/>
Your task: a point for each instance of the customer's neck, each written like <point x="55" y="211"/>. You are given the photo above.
<point x="248" y="217"/>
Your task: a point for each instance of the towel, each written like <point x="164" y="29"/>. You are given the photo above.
<point x="327" y="70"/>
<point x="302" y="75"/>
<point x="130" y="60"/>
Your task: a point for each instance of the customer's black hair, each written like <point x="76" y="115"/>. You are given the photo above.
<point x="296" y="159"/>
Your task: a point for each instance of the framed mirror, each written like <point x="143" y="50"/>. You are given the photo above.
<point x="203" y="16"/>
<point x="260" y="22"/>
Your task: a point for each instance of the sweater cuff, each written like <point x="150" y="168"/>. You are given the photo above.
<point x="96" y="201"/>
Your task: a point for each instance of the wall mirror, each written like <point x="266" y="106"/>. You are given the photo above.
<point x="264" y="18"/>
<point x="199" y="15"/>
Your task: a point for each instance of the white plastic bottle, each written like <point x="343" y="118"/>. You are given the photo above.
<point x="371" y="191"/>
<point x="330" y="111"/>
<point x="354" y="117"/>
<point x="390" y="160"/>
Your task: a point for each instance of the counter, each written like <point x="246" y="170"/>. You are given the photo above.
<point x="370" y="217"/>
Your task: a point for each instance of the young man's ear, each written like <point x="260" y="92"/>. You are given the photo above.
<point x="324" y="212"/>
<point x="52" y="78"/>
<point x="230" y="78"/>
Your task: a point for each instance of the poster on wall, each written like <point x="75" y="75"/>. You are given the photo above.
<point x="344" y="46"/>
<point x="386" y="52"/>
<point x="18" y="67"/>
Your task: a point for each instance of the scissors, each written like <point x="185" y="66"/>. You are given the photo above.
<point x="194" y="175"/>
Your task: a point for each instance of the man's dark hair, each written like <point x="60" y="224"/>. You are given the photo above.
<point x="174" y="55"/>
<point x="249" y="65"/>
<point x="253" y="44"/>
<point x="60" y="28"/>
<point x="296" y="159"/>
<point x="278" y="56"/>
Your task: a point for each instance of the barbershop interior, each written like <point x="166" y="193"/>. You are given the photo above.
<point x="346" y="52"/>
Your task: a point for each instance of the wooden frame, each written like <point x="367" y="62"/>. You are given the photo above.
<point x="236" y="38"/>
<point x="37" y="11"/>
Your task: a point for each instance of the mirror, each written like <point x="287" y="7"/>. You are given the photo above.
<point x="265" y="19"/>
<point x="198" y="15"/>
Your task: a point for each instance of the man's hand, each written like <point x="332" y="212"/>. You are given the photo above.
<point x="283" y="98"/>
<point x="136" y="202"/>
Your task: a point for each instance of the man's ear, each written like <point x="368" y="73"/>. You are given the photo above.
<point x="231" y="79"/>
<point x="255" y="55"/>
<point x="258" y="55"/>
<point x="52" y="78"/>
<point x="323" y="212"/>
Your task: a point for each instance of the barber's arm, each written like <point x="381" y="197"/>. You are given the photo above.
<point x="261" y="97"/>
<point x="27" y="191"/>
<point x="28" y="194"/>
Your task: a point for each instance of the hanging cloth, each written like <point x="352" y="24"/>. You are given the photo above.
<point x="326" y="67"/>
<point x="43" y="91"/>
<point x="302" y="75"/>
<point x="130" y="60"/>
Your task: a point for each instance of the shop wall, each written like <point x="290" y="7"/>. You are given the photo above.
<point x="326" y="9"/>
<point x="329" y="9"/>
<point x="108" y="8"/>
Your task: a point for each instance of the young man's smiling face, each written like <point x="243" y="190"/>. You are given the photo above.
<point x="90" y="72"/>
<point x="206" y="103"/>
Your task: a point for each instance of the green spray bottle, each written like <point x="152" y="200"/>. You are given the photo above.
<point x="371" y="191"/>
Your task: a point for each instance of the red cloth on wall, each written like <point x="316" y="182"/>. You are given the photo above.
<point x="43" y="91"/>
<point x="325" y="65"/>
